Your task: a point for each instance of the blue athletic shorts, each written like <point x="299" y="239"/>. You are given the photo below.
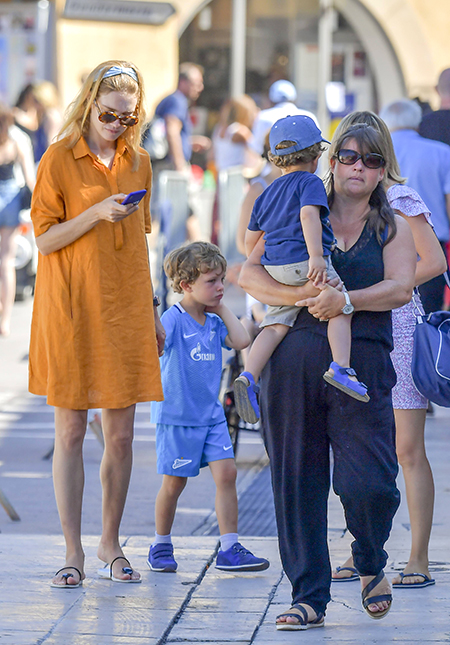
<point x="182" y="450"/>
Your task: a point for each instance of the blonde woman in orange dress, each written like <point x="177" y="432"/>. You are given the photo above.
<point x="96" y="334"/>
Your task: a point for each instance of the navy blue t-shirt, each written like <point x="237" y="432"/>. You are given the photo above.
<point x="176" y="104"/>
<point x="277" y="213"/>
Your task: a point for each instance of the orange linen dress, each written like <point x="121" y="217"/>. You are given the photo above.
<point x="93" y="341"/>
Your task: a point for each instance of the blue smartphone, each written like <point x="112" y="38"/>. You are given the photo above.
<point x="134" y="198"/>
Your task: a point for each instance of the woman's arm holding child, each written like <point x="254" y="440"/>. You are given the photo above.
<point x="237" y="337"/>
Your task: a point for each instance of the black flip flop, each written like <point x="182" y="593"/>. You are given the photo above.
<point x="354" y="576"/>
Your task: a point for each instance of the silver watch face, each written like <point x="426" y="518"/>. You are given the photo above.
<point x="348" y="309"/>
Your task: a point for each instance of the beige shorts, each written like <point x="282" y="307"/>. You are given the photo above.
<point x="295" y="275"/>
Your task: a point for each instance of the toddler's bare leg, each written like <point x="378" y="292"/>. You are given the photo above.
<point x="340" y="339"/>
<point x="263" y="347"/>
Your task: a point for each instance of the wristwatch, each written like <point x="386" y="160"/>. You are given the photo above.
<point x="157" y="301"/>
<point x="348" y="307"/>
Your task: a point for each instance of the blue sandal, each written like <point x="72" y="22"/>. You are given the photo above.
<point x="245" y="391"/>
<point x="340" y="379"/>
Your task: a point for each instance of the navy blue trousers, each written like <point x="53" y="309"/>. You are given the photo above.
<point x="302" y="417"/>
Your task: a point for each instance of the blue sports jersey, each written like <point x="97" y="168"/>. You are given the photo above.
<point x="277" y="213"/>
<point x="191" y="368"/>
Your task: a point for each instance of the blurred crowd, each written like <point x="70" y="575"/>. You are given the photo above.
<point x="229" y="139"/>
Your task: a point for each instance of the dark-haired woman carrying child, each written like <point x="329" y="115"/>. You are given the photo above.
<point x="303" y="416"/>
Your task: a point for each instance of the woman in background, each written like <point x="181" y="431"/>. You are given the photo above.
<point x="12" y="152"/>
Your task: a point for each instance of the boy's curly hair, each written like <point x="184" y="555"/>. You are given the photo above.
<point x="186" y="263"/>
<point x="302" y="156"/>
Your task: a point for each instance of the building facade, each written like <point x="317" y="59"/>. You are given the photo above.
<point x="381" y="49"/>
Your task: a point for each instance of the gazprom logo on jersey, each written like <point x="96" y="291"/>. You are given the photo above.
<point x="198" y="355"/>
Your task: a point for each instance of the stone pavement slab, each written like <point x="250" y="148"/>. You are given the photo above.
<point x="200" y="604"/>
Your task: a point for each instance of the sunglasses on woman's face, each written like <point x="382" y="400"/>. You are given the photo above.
<point x="370" y="159"/>
<point x="127" y="120"/>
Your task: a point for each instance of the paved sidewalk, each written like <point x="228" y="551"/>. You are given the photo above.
<point x="199" y="604"/>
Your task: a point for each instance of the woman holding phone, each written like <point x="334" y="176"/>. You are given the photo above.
<point x="95" y="335"/>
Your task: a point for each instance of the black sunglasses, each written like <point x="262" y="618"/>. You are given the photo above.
<point x="370" y="159"/>
<point x="127" y="120"/>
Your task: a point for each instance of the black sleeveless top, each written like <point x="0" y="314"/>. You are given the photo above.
<point x="359" y="267"/>
<point x="7" y="171"/>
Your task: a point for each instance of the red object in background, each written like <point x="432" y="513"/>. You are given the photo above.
<point x="197" y="173"/>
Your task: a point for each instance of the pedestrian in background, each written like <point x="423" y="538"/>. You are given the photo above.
<point x="13" y="152"/>
<point x="191" y="429"/>
<point x="174" y="110"/>
<point x="302" y="416"/>
<point x="95" y="336"/>
<point x="436" y="125"/>
<point x="38" y="114"/>
<point x="233" y="134"/>
<point x="426" y="166"/>
<point x="231" y="141"/>
<point x="282" y="95"/>
<point x="409" y="405"/>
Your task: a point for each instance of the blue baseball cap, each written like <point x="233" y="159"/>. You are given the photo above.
<point x="282" y="91"/>
<point x="299" y="128"/>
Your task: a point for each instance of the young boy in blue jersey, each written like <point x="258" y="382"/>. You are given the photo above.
<point x="191" y="429"/>
<point x="292" y="214"/>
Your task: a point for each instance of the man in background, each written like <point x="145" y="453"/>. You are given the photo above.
<point x="174" y="109"/>
<point x="436" y="125"/>
<point x="282" y="95"/>
<point x="426" y="166"/>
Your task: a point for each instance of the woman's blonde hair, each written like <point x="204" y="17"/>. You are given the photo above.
<point x="77" y="118"/>
<point x="392" y="169"/>
<point x="241" y="109"/>
<point x="186" y="263"/>
<point x="47" y="94"/>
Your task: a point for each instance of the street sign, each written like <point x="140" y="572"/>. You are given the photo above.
<point x="148" y="13"/>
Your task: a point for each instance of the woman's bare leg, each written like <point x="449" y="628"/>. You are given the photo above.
<point x="410" y="438"/>
<point x="68" y="480"/>
<point x="115" y="472"/>
<point x="7" y="277"/>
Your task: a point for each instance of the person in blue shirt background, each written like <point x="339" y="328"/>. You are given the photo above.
<point x="426" y="165"/>
<point x="292" y="214"/>
<point x="191" y="429"/>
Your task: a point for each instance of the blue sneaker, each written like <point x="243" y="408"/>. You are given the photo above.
<point x="237" y="558"/>
<point x="245" y="391"/>
<point x="160" y="558"/>
<point x="340" y="379"/>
